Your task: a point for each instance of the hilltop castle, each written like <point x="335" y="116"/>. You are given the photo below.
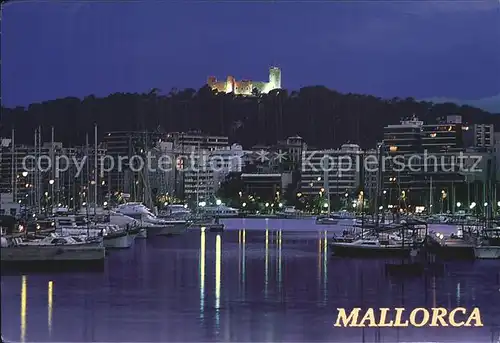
<point x="245" y="87"/>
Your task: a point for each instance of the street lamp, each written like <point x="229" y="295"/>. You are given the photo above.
<point x="459" y="204"/>
<point x="218" y="202"/>
<point x="51" y="183"/>
<point x="25" y="173"/>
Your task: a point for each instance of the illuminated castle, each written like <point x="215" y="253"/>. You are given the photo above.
<point x="246" y="87"/>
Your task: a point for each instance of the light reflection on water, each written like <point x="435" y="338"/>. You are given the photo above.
<point x="195" y="288"/>
<point x="50" y="292"/>
<point x="202" y="272"/>
<point x="24" y="305"/>
<point x="218" y="261"/>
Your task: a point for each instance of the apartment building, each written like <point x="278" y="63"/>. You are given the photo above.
<point x="333" y="172"/>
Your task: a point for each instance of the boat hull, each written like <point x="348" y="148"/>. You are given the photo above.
<point x="142" y="234"/>
<point x="215" y="227"/>
<point x="451" y="252"/>
<point x="166" y="230"/>
<point x="327" y="221"/>
<point x="487" y="252"/>
<point x="38" y="258"/>
<point x="349" y="250"/>
<point x="119" y="241"/>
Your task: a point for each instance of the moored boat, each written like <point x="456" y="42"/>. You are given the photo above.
<point x="395" y="240"/>
<point x="221" y="211"/>
<point x="451" y="247"/>
<point x="53" y="251"/>
<point x="152" y="225"/>
<point x="290" y="212"/>
<point x="326" y="220"/>
<point x="113" y="236"/>
<point x="371" y="246"/>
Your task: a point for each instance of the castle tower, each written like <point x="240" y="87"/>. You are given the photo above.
<point x="230" y="84"/>
<point x="275" y="77"/>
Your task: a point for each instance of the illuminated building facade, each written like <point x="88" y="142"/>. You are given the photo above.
<point x="246" y="87"/>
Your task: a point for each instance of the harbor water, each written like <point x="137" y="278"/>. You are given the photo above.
<point x="259" y="280"/>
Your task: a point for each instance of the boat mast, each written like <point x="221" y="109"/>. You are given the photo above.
<point x="39" y="184"/>
<point x="95" y="169"/>
<point x="14" y="166"/>
<point x="87" y="188"/>
<point x="34" y="186"/>
<point x="198" y="178"/>
<point x="430" y="195"/>
<point x="326" y="185"/>
<point x="52" y="178"/>
<point x="36" y="175"/>
<point x="380" y="179"/>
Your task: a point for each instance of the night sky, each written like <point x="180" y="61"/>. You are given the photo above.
<point x="422" y="49"/>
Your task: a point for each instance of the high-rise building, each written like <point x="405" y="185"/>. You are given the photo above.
<point x="187" y="142"/>
<point x="203" y="161"/>
<point x="203" y="177"/>
<point x="333" y="172"/>
<point x="444" y="136"/>
<point x="247" y="87"/>
<point x="427" y="164"/>
<point x="484" y="136"/>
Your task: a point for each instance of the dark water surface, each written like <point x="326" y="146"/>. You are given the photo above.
<point x="239" y="286"/>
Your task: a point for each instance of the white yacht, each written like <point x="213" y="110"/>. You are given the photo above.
<point x="176" y="211"/>
<point x="115" y="218"/>
<point x="326" y="220"/>
<point x="133" y="226"/>
<point x="220" y="211"/>
<point x="153" y="225"/>
<point x="113" y="236"/>
<point x="290" y="212"/>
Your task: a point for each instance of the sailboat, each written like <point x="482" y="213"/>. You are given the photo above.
<point x="376" y="240"/>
